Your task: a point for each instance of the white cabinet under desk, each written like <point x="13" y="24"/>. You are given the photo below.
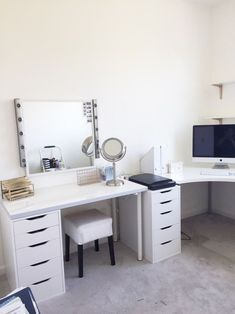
<point x="33" y="254"/>
<point x="161" y="223"/>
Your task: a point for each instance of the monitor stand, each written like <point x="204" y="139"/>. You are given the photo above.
<point x="220" y="166"/>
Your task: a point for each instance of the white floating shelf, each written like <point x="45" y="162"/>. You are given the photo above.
<point x="220" y="118"/>
<point x="221" y="86"/>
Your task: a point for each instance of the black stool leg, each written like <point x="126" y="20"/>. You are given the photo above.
<point x="67" y="247"/>
<point x="97" y="245"/>
<point x="80" y="261"/>
<point x="111" y="250"/>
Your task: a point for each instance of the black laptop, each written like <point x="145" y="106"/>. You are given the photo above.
<point x="152" y="181"/>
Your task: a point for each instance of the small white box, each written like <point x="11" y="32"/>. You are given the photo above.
<point x="176" y="167"/>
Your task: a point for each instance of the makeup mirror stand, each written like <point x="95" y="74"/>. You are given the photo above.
<point x="113" y="150"/>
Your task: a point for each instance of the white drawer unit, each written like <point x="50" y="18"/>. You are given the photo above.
<point x="165" y="214"/>
<point x="166" y="249"/>
<point x="165" y="195"/>
<point x="40" y="271"/>
<point x="167" y="233"/>
<point x="161" y="224"/>
<point x="37" y="236"/>
<point x="36" y="254"/>
<point x="36" y="223"/>
<point x="47" y="288"/>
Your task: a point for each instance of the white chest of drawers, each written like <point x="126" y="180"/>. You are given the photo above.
<point x="161" y="224"/>
<point x="34" y="255"/>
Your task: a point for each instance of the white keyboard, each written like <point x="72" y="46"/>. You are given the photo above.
<point x="218" y="172"/>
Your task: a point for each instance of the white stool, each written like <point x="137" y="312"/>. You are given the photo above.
<point x="86" y="226"/>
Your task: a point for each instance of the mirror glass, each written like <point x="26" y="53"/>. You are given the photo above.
<point x="113" y="147"/>
<point x="54" y="133"/>
<point x="113" y="150"/>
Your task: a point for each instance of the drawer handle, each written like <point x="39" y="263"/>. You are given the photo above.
<point x="165" y="202"/>
<point x="36" y="231"/>
<point x="168" y="212"/>
<point x="164" y="228"/>
<point x="38" y="244"/>
<point x="39" y="282"/>
<point x="38" y="217"/>
<point x="37" y="264"/>
<point x="167" y="191"/>
<point x="163" y="243"/>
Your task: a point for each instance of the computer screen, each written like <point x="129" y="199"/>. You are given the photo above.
<point x="214" y="141"/>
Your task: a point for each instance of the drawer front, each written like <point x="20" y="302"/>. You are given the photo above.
<point x="166" y="249"/>
<point x="38" y="253"/>
<point x="40" y="271"/>
<point x="166" y="214"/>
<point x="36" y="223"/>
<point x="37" y="236"/>
<point x="166" y="206"/>
<point x="165" y="195"/>
<point x="167" y="233"/>
<point x="45" y="289"/>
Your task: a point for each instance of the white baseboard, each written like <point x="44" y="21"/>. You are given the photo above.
<point x="2" y="270"/>
<point x="192" y="213"/>
<point x="229" y="213"/>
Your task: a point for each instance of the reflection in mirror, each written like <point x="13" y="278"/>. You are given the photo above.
<point x="113" y="147"/>
<point x="88" y="146"/>
<point x="54" y="134"/>
<point x="113" y="150"/>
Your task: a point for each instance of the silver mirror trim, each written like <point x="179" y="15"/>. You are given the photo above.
<point x="113" y="158"/>
<point x="95" y="128"/>
<point x="20" y="131"/>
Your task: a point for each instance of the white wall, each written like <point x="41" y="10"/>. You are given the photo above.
<point x="145" y="61"/>
<point x="194" y="199"/>
<point x="223" y="70"/>
<point x="223" y="199"/>
<point x="223" y="42"/>
<point x="222" y="59"/>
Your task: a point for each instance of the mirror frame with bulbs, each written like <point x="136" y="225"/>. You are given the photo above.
<point x="89" y="110"/>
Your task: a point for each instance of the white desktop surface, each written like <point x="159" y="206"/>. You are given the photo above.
<point x="68" y="195"/>
<point x="193" y="174"/>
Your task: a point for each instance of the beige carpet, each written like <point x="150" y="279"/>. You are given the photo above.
<point x="200" y="280"/>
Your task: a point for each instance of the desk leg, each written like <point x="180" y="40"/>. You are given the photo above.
<point x="139" y="228"/>
<point x="209" y="208"/>
<point x="115" y="219"/>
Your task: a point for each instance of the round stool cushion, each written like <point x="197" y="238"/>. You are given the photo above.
<point x="88" y="225"/>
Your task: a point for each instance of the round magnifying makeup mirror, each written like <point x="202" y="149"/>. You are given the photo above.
<point x="113" y="150"/>
<point x="87" y="146"/>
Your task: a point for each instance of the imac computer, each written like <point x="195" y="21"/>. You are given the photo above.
<point x="214" y="143"/>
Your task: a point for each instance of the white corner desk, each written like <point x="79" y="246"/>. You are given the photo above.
<point x="32" y="234"/>
<point x="195" y="174"/>
<point x="209" y="175"/>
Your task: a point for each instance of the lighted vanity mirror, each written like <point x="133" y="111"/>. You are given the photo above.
<point x="56" y="135"/>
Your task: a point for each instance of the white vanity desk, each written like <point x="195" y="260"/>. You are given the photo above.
<point x="32" y="236"/>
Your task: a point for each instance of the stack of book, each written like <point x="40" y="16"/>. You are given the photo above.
<point x="14" y="189"/>
<point x="13" y="305"/>
<point x="20" y="301"/>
